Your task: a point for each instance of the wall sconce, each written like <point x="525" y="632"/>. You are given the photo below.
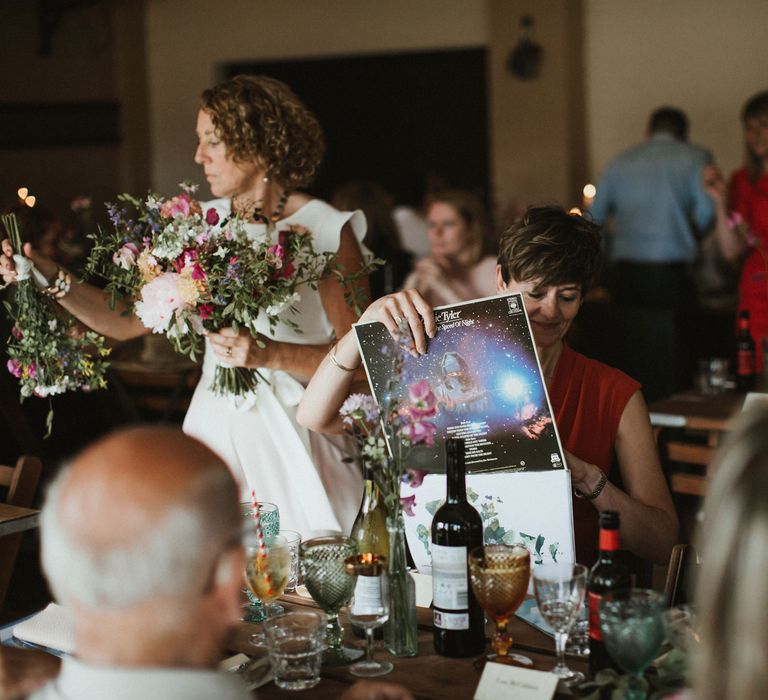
<point x="524" y="61"/>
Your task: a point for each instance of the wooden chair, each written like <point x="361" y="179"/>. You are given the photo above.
<point x="21" y="482"/>
<point x="681" y="574"/>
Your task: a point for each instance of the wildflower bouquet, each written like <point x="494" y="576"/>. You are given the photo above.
<point x="183" y="271"/>
<point x="403" y="425"/>
<point x="47" y="352"/>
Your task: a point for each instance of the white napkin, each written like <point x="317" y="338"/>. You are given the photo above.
<point x="52" y="627"/>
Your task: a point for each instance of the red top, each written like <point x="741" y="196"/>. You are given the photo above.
<point x="588" y="398"/>
<point x="751" y="201"/>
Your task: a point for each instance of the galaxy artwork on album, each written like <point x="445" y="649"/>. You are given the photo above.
<point x="482" y="368"/>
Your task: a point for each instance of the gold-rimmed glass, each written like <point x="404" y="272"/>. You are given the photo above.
<point x="499" y="574"/>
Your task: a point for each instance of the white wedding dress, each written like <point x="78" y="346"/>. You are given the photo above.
<point x="258" y="436"/>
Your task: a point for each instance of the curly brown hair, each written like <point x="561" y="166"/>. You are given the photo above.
<point x="261" y="120"/>
<point x="551" y="245"/>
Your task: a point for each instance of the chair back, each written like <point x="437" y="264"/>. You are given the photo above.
<point x="21" y="482"/>
<point x="681" y="574"/>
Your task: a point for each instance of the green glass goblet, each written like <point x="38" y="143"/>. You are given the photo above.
<point x="322" y="565"/>
<point x="631" y="621"/>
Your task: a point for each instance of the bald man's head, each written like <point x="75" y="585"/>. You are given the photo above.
<point x="139" y="514"/>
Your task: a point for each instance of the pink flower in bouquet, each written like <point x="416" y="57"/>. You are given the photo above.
<point x="126" y="256"/>
<point x="17" y="333"/>
<point x="14" y="367"/>
<point x="30" y="371"/>
<point x="418" y="432"/>
<point x="160" y="298"/>
<point x="408" y="504"/>
<point x="180" y="206"/>
<point x="211" y="217"/>
<point x="414" y="477"/>
<point x="205" y="311"/>
<point x="423" y="402"/>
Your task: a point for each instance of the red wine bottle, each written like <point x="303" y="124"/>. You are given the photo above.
<point x="610" y="573"/>
<point x="458" y="619"/>
<point x="745" y="355"/>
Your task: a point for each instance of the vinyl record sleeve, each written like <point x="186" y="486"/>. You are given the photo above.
<point x="484" y="371"/>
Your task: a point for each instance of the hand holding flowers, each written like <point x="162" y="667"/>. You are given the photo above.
<point x="186" y="272"/>
<point x="47" y="352"/>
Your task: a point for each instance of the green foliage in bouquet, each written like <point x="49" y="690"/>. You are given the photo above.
<point x="183" y="272"/>
<point x="47" y="352"/>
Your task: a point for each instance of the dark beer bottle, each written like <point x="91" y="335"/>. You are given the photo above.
<point x="745" y="355"/>
<point x="610" y="573"/>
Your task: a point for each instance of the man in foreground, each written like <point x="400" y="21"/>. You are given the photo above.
<point x="140" y="539"/>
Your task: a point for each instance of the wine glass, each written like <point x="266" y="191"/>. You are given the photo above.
<point x="632" y="627"/>
<point x="499" y="574"/>
<point x="559" y="590"/>
<point x="369" y="608"/>
<point x="322" y="564"/>
<point x="269" y="517"/>
<point x="267" y="569"/>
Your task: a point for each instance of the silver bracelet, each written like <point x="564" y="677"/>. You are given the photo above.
<point x="592" y="495"/>
<point x="336" y="362"/>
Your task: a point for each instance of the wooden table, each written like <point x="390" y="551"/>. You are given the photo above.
<point x="689" y="427"/>
<point x="428" y="675"/>
<point x="16" y="519"/>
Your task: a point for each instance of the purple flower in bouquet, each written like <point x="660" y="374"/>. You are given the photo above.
<point x="14" y="367"/>
<point x="423" y="401"/>
<point x="414" y="477"/>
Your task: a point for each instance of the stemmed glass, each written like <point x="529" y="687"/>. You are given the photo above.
<point x="267" y="569"/>
<point x="322" y="564"/>
<point x="269" y="517"/>
<point x="499" y="574"/>
<point x="632" y="627"/>
<point x="559" y="590"/>
<point x="369" y="608"/>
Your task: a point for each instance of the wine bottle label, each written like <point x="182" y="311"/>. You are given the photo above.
<point x="745" y="362"/>
<point x="367" y="596"/>
<point x="450" y="588"/>
<point x="450" y="621"/>
<point x="594" y="616"/>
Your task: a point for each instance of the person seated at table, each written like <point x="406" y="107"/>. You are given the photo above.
<point x="456" y="270"/>
<point x="731" y="587"/>
<point x="141" y="541"/>
<point x="552" y="258"/>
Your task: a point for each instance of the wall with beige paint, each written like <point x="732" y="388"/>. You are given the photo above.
<point x="187" y="40"/>
<point x="704" y="56"/>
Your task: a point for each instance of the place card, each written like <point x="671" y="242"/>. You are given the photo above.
<point x="423" y="589"/>
<point x="500" y="681"/>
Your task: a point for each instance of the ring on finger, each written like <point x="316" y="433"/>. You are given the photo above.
<point x="398" y="320"/>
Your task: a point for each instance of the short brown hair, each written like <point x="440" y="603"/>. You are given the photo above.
<point x="551" y="245"/>
<point x="260" y="119"/>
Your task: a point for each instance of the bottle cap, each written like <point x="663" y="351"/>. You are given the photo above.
<point x="609" y="520"/>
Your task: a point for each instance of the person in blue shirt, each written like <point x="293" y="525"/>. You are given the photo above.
<point x="652" y="200"/>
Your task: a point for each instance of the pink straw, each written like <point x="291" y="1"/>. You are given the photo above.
<point x="262" y="555"/>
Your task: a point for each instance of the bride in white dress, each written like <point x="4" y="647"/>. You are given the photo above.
<point x="257" y="144"/>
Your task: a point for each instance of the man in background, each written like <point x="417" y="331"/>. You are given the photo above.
<point x="141" y="541"/>
<point x="652" y="197"/>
